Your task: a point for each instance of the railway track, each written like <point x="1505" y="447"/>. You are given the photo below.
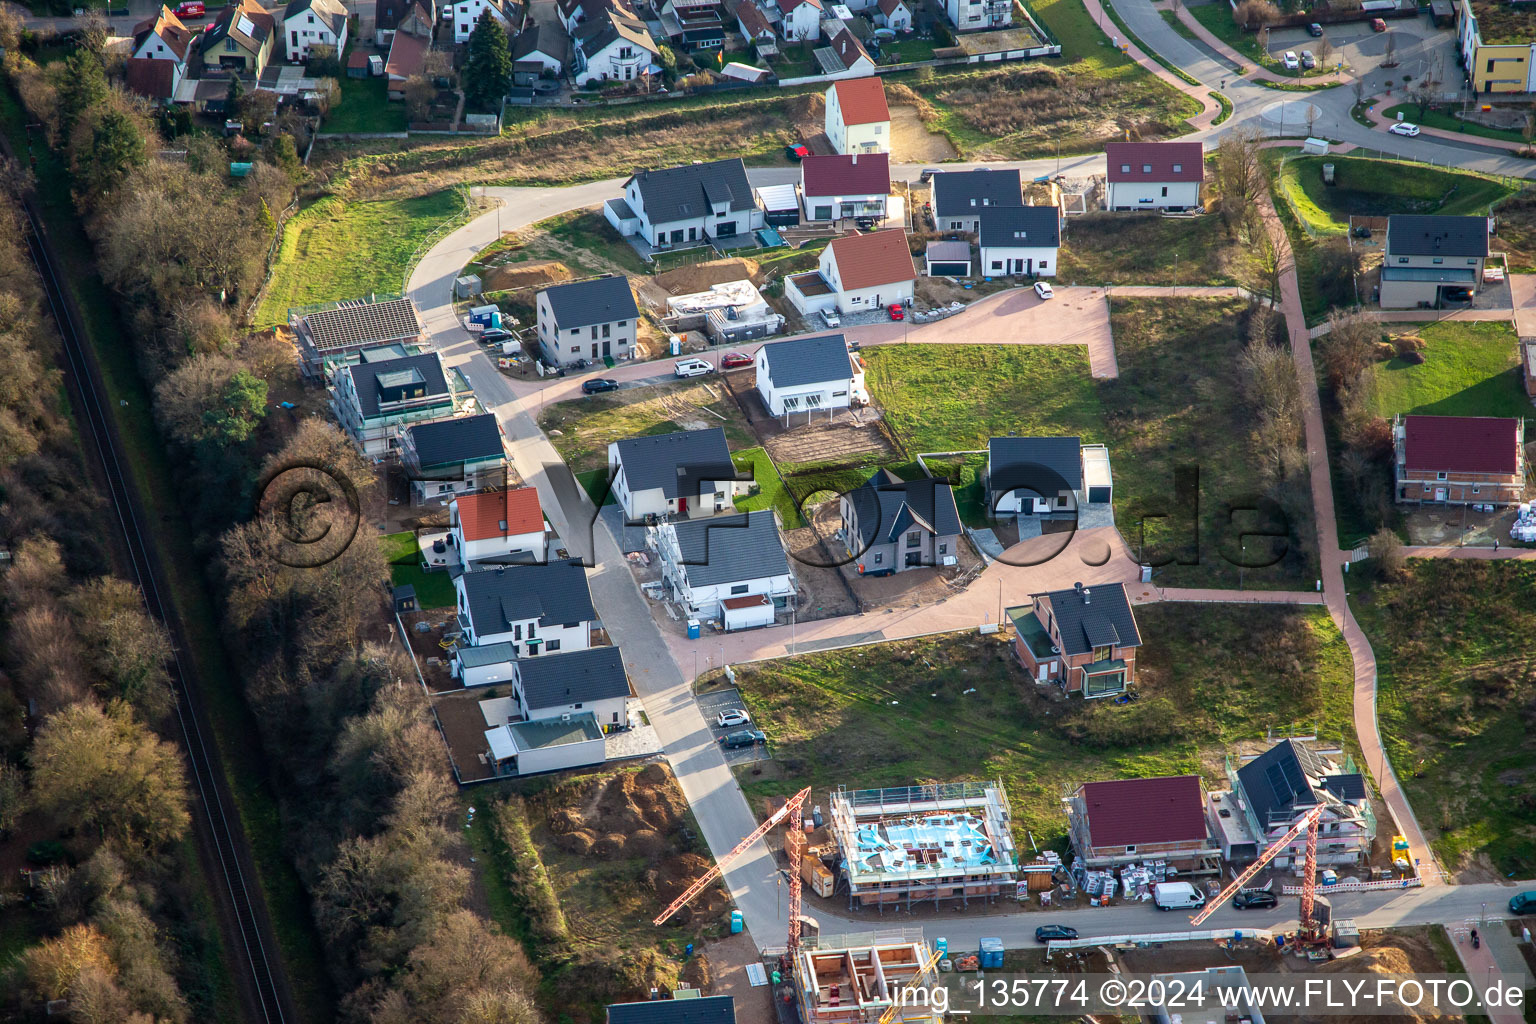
<point x="228" y="856"/>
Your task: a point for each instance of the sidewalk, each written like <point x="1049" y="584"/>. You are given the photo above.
<point x="1210" y="109"/>
<point x="1441" y="133"/>
<point x="1252" y="71"/>
<point x="1482" y="967"/>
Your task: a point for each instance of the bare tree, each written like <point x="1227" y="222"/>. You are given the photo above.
<point x="1389" y="56"/>
<point x="1241" y="176"/>
<point x="1324" y="52"/>
<point x="1422" y="93"/>
<point x="1386" y="550"/>
<point x="1358" y="85"/>
<point x="419" y="95"/>
<point x="1256" y="14"/>
<point x="1348" y="348"/>
<point x="1265" y="261"/>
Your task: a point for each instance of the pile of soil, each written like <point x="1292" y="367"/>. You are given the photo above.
<point x="629" y="815"/>
<point x="675" y="874"/>
<point x="525" y="275"/>
<point x="700" y="277"/>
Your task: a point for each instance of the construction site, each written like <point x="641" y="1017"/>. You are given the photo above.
<point x="915" y="844"/>
<point x="862" y="983"/>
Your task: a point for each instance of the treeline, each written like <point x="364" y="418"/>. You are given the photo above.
<point x="96" y="798"/>
<point x="370" y="813"/>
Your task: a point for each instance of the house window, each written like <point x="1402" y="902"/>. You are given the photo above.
<point x="791" y="403"/>
<point x="914" y="538"/>
<point x="623" y="323"/>
<point x="1103" y="683"/>
<point x="574" y="707"/>
<point x="1130" y="851"/>
<point x="1476" y="489"/>
<point x="954" y="225"/>
<point x="879" y="558"/>
<point x="1125" y="168"/>
<point x="553" y="645"/>
<point x="1165" y="191"/>
<point x="740" y="588"/>
<point x="1146" y="168"/>
<point x="1438" y="260"/>
<point x="943" y="549"/>
<point x="1044" y="265"/>
<point x="839" y="394"/>
<point x="997" y="264"/>
<point x="1101" y="654"/>
<point x="1178" y="168"/>
<point x="517" y="631"/>
<point x="1439" y="476"/>
<point x="1402" y="259"/>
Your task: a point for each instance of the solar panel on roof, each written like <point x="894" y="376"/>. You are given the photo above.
<point x="362" y="323"/>
<point x="1295" y="776"/>
<point x="1276" y="776"/>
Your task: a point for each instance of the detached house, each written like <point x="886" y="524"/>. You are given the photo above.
<point x="685" y="473"/>
<point x="505" y="526"/>
<point x="376" y="399"/>
<point x="839" y="187"/>
<point x="694" y="24"/>
<point x="1277" y="789"/>
<point x="466" y="14"/>
<point x="162" y="37"/>
<point x="1128" y="820"/>
<point x="732" y="568"/>
<point x="456" y="456"/>
<point x="390" y="15"/>
<point x="858" y="272"/>
<point x="1044" y="476"/>
<point x="614" y="47"/>
<point x="894" y="14"/>
<point x="591" y="681"/>
<point x="1427" y="255"/>
<point x="239" y="39"/>
<point x="540" y="51"/>
<point x="800" y="20"/>
<point x="587" y="320"/>
<point x="809" y="374"/>
<point x="1459" y="460"/>
<point x="538" y="609"/>
<point x="309" y="23"/>
<point x="892" y="525"/>
<point x="577" y="12"/>
<point x="1153" y="175"/>
<point x="1083" y="640"/>
<point x="1019" y="240"/>
<point x="978" y="15"/>
<point x="407" y="55"/>
<point x="845" y="53"/>
<point x="857" y="118"/>
<point x="687" y="206"/>
<point x="960" y="197"/>
<point x="755" y="28"/>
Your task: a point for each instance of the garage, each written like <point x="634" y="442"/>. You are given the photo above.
<point x="747" y="612"/>
<point x="949" y="259"/>
<point x="546" y="745"/>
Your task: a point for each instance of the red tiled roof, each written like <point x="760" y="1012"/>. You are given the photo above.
<point x="753" y="23"/>
<point x="866" y="175"/>
<point x="788" y="5"/>
<point x="1126" y="160"/>
<point x="155" y="79"/>
<point x="864" y="261"/>
<point x="407" y="55"/>
<point x="358" y="59"/>
<point x="481" y="515"/>
<point x="862" y="100"/>
<point x="1135" y="812"/>
<point x="1462" y="444"/>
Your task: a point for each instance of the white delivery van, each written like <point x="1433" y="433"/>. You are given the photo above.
<point x="691" y="368"/>
<point x="1177" y="896"/>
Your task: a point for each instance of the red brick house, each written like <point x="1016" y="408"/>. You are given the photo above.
<point x="1128" y="820"/>
<point x="1083" y="640"/>
<point x="1459" y="460"/>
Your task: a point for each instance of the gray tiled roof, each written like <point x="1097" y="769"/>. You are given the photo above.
<point x="679" y="193"/>
<point x="709" y="1010"/>
<point x="1417" y="235"/>
<point x="731" y="549"/>
<point x="604" y="300"/>
<point x="677" y="462"/>
<point x="1088" y="615"/>
<point x="1020" y="226"/>
<point x="550" y="42"/>
<point x="366" y="378"/>
<point x="554" y="594"/>
<point x="466" y="439"/>
<point x="954" y="190"/>
<point x="802" y="361"/>
<point x="551" y="680"/>
<point x="885" y="506"/>
<point x="1018" y="461"/>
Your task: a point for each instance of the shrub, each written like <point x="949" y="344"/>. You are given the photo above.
<point x="527" y="875"/>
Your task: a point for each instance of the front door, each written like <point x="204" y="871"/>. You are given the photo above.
<point x="594" y="350"/>
<point x="682" y="505"/>
<point x="1440" y="494"/>
<point x="1018" y="266"/>
<point x="914" y="558"/>
<point x="606" y="347"/>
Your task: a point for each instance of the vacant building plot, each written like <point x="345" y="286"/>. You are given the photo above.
<point x="582" y="429"/>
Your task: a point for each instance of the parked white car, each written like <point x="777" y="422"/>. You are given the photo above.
<point x="831" y="318"/>
<point x="1291" y="61"/>
<point x="1404" y="128"/>
<point x="1043" y="289"/>
<point x="692" y="368"/>
<point x="735" y="716"/>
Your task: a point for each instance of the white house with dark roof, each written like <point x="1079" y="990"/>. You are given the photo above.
<point x="1153" y="175"/>
<point x="485" y="665"/>
<point x="1019" y="241"/>
<point x="1281" y="786"/>
<point x="455" y="456"/>
<point x="592" y="320"/>
<point x="572" y="682"/>
<point x="891" y="525"/>
<point x="979" y="15"/>
<point x="538" y="608"/>
<point x="687" y="206"/>
<point x="309" y="23"/>
<point x="730" y="568"/>
<point x="809" y="375"/>
<point x="1425" y="256"/>
<point x="376" y="399"/>
<point x="961" y="197"/>
<point x="684" y="473"/>
<point x="1045" y="476"/>
<point x="466" y="14"/>
<point x="614" y="47"/>
<point x="544" y="745"/>
<point x="540" y="50"/>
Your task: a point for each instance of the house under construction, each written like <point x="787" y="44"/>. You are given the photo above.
<point x="908" y="844"/>
<point x="856" y="984"/>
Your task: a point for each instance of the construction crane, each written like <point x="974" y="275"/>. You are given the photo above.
<point x="917" y="979"/>
<point x="794" y="845"/>
<point x="1308" y="932"/>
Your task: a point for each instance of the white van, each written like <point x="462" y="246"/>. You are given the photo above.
<point x="692" y="368"/>
<point x="1177" y="896"/>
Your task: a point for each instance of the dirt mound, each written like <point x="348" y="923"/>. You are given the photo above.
<point x="633" y="801"/>
<point x="676" y="874"/>
<point x="579" y="842"/>
<point x="563" y="820"/>
<point x="702" y="276"/>
<point x="525" y="275"/>
<point x="610" y="847"/>
<point x="645" y="843"/>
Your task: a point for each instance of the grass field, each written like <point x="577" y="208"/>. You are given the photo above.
<point x="1516" y="226"/>
<point x="771" y="490"/>
<point x="1121" y="248"/>
<point x="334" y="249"/>
<point x="582" y="239"/>
<point x="588" y="425"/>
<point x="1433" y="118"/>
<point x="959" y="707"/>
<point x="365" y="107"/>
<point x="1457" y="703"/>
<point x="1470" y="369"/>
<point x="1380" y="188"/>
<point x="433" y="589"/>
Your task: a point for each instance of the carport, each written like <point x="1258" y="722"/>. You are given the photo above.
<point x="1420" y="287"/>
<point x="746" y="612"/>
<point x="949" y="259"/>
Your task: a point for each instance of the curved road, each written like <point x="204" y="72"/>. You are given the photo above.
<point x="707" y="782"/>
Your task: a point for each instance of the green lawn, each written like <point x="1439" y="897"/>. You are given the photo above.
<point x="588" y="425"/>
<point x="1177" y="24"/>
<point x="433" y="589"/>
<point x="1379" y="188"/>
<point x="1436" y="118"/>
<point x="1456" y="694"/>
<point x="1470" y="369"/>
<point x="771" y="491"/>
<point x="1145" y="248"/>
<point x="364" y="107"/>
<point x="908" y="50"/>
<point x="334" y="249"/>
<point x="582" y="239"/>
<point x="595" y="483"/>
<point x="959" y="707"/>
<point x="965" y="476"/>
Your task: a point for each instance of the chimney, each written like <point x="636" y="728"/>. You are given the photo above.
<point x="1086" y="593"/>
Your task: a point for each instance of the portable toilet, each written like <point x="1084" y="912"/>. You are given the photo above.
<point x="693" y="629"/>
<point x="736" y="922"/>
<point x="991" y="954"/>
<point x="675" y="345"/>
<point x="486" y="316"/>
<point x="941" y="947"/>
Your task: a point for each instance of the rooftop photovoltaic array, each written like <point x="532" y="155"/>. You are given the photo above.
<point x="362" y="323"/>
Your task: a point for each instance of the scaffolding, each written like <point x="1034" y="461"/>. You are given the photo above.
<point x="910" y="844"/>
<point x="864" y="984"/>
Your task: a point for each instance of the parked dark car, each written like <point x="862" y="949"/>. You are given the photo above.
<point x="1046" y="932"/>
<point x="598" y="385"/>
<point x="744" y="738"/>
<point x="1254" y="899"/>
<point x="1457" y="294"/>
<point x="1314" y="29"/>
<point x="495" y="335"/>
